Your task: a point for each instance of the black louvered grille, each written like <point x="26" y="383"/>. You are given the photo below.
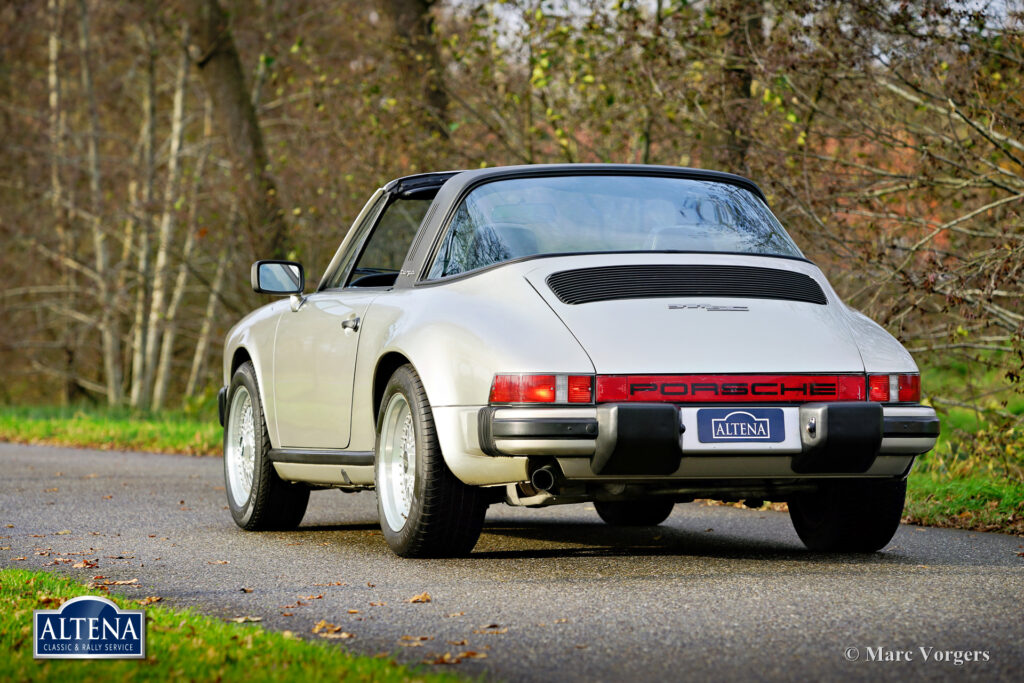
<point x="586" y="285"/>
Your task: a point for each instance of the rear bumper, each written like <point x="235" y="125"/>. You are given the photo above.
<point x="660" y="440"/>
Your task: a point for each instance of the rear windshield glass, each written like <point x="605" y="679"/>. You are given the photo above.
<point x="510" y="219"/>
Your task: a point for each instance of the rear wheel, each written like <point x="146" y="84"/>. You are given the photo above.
<point x="634" y="512"/>
<point x="424" y="510"/>
<point x="859" y="515"/>
<point x="257" y="497"/>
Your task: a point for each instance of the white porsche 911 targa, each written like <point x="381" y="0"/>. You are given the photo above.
<point x="634" y="336"/>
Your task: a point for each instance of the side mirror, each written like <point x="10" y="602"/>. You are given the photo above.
<point x="278" y="277"/>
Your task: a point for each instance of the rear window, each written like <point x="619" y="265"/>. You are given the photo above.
<point x="509" y="219"/>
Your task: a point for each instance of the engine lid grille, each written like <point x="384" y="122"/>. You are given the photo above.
<point x="607" y="283"/>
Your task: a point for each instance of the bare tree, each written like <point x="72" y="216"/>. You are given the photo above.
<point x="161" y="267"/>
<point x="214" y="53"/>
<point x="110" y="335"/>
<point x="419" y="60"/>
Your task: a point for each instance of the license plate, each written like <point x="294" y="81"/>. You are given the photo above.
<point x="740" y="425"/>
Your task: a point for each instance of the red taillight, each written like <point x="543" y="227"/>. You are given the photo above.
<point x="892" y="388"/>
<point x="878" y="388"/>
<point x="580" y="388"/>
<point x="910" y="388"/>
<point x="542" y="389"/>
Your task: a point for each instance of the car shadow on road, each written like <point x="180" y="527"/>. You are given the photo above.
<point x="547" y="540"/>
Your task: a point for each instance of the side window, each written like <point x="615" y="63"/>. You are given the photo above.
<point x="337" y="278"/>
<point x="389" y="244"/>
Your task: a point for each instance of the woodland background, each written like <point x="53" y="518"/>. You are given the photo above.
<point x="150" y="151"/>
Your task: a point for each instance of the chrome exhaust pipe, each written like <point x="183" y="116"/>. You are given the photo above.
<point x="544" y="478"/>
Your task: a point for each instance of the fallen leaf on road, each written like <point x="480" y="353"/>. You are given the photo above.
<point x="150" y="600"/>
<point x="491" y="630"/>
<point x="287" y="614"/>
<point x="63" y="532"/>
<point x="421" y="598"/>
<point x="91" y="475"/>
<point x="245" y="620"/>
<point x="446" y="658"/>
<point x="353" y="611"/>
<point x="8" y="526"/>
<point x="370" y="585"/>
<point x="325" y="629"/>
<point x="7" y="547"/>
<point x="311" y="597"/>
<point x="377" y="604"/>
<point x="84" y="564"/>
<point x="470" y="654"/>
<point x="17" y="559"/>
<point x="411" y="644"/>
<point x="561" y="621"/>
<point x="220" y="562"/>
<point x="708" y="529"/>
<point x="456" y="614"/>
<point x="458" y="642"/>
<point x="107" y="497"/>
<point x="581" y="647"/>
<point x="246" y="590"/>
<point x="332" y="583"/>
<point x="53" y="490"/>
<point x="416" y="638"/>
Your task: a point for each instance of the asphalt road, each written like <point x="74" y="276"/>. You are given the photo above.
<point x="714" y="593"/>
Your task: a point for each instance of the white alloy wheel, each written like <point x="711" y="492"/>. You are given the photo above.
<point x="240" y="451"/>
<point x="397" y="462"/>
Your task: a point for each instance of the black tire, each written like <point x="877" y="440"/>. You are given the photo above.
<point x="271" y="502"/>
<point x="445" y="516"/>
<point x="635" y="512"/>
<point x="855" y="516"/>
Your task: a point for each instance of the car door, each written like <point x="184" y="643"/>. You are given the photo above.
<point x="316" y="345"/>
<point x="314" y="362"/>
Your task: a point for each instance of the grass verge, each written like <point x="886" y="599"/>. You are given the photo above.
<point x="111" y="429"/>
<point x="976" y="503"/>
<point x="180" y="645"/>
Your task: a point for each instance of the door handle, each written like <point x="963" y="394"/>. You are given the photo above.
<point x="351" y="324"/>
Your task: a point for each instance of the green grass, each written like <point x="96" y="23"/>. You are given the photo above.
<point x="180" y="645"/>
<point x="112" y="429"/>
<point x="978" y="503"/>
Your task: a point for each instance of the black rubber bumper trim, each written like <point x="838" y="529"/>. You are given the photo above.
<point x="490" y="429"/>
<point x="545" y="428"/>
<point x="222" y="404"/>
<point x="324" y="457"/>
<point x="910" y="427"/>
<point x="646" y="440"/>
<point x="853" y="439"/>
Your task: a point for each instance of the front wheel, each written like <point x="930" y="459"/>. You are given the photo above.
<point x="856" y="516"/>
<point x="257" y="497"/>
<point x="634" y="512"/>
<point x="424" y="510"/>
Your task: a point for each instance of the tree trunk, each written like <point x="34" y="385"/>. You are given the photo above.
<point x="145" y="234"/>
<point x="110" y="336"/>
<point x="163" y="373"/>
<point x="157" y="307"/>
<point x="419" y="59"/>
<point x="205" y="332"/>
<point x="69" y="389"/>
<point x="741" y="43"/>
<point x="220" y="68"/>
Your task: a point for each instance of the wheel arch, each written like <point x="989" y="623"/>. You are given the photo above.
<point x="386" y="366"/>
